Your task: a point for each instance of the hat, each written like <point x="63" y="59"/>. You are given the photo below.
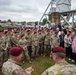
<point x="15" y="51"/>
<point x="5" y="32"/>
<point x="35" y="32"/>
<point x="28" y="30"/>
<point x="39" y="30"/>
<point x="21" y="35"/>
<point x="58" y="49"/>
<point x="55" y="32"/>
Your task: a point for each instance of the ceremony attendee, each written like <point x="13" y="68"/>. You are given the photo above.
<point x="12" y="66"/>
<point x="61" y="67"/>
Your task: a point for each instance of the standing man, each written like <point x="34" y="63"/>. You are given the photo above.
<point x="12" y="66"/>
<point x="35" y="45"/>
<point x="61" y="67"/>
<point x="23" y="43"/>
<point x="28" y="37"/>
<point x="54" y="41"/>
<point x="40" y="37"/>
<point x="47" y="45"/>
<point x="2" y="49"/>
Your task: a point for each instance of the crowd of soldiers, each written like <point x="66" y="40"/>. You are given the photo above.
<point x="35" y="42"/>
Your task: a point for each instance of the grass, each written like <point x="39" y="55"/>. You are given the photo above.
<point x="1" y="28"/>
<point x="39" y="65"/>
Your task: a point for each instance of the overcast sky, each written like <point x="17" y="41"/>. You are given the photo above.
<point x="24" y="10"/>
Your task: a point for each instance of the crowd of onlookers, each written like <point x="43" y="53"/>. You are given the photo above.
<point x="68" y="41"/>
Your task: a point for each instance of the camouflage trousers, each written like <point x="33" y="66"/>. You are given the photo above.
<point x="41" y="47"/>
<point x="25" y="55"/>
<point x="29" y="49"/>
<point x="3" y="55"/>
<point x="35" y="50"/>
<point x="47" y="50"/>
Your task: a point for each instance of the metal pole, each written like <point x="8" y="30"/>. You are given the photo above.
<point x="72" y="18"/>
<point x="65" y="20"/>
<point x="45" y="10"/>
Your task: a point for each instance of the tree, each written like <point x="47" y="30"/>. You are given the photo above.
<point x="44" y="21"/>
<point x="36" y="23"/>
<point x="9" y="20"/>
<point x="23" y="23"/>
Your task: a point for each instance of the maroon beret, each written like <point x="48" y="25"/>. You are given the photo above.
<point x="5" y="32"/>
<point x="15" y="51"/>
<point x="58" y="49"/>
<point x="39" y="30"/>
<point x="28" y="30"/>
<point x="21" y="35"/>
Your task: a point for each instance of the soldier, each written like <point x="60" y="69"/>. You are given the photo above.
<point x="54" y="41"/>
<point x="14" y="39"/>
<point x="2" y="49"/>
<point x="12" y="66"/>
<point x="28" y="37"/>
<point x="61" y="67"/>
<point x="23" y="42"/>
<point x="7" y="38"/>
<point x="35" y="45"/>
<point x="47" y="43"/>
<point x="40" y="37"/>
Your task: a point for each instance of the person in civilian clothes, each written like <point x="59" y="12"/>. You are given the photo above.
<point x="62" y="39"/>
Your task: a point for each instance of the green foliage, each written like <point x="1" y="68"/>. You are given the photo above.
<point x="23" y="23"/>
<point x="39" y="65"/>
<point x="1" y="28"/>
<point x="9" y="20"/>
<point x="44" y="21"/>
<point x="36" y="23"/>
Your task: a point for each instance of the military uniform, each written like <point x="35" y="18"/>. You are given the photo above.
<point x="23" y="42"/>
<point x="62" y="68"/>
<point x="28" y="37"/>
<point x="47" y="45"/>
<point x="54" y="41"/>
<point x="14" y="40"/>
<point x="2" y="50"/>
<point x="12" y="68"/>
<point x="8" y="45"/>
<point x="35" y="45"/>
<point x="40" y="37"/>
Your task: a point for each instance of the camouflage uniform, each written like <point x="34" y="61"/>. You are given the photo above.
<point x="47" y="44"/>
<point x="8" y="45"/>
<point x="14" y="40"/>
<point x="54" y="41"/>
<point x="2" y="50"/>
<point x="28" y="37"/>
<point x="35" y="45"/>
<point x="40" y="37"/>
<point x="12" y="68"/>
<point x="23" y="42"/>
<point x="62" y="68"/>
